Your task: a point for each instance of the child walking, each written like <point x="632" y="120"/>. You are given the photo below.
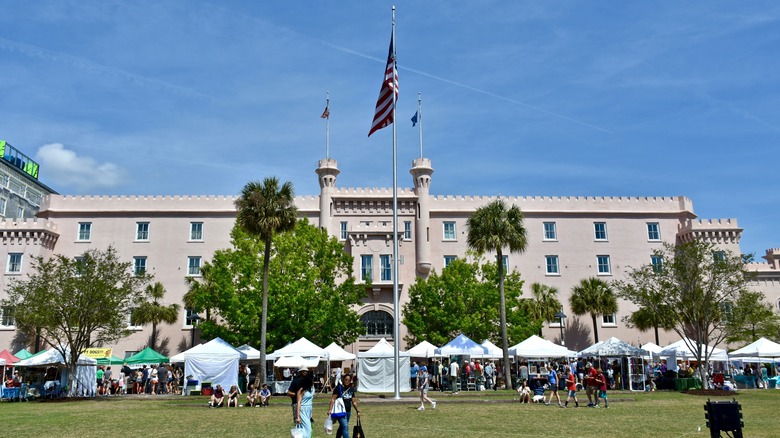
<point x="423" y="384"/>
<point x="571" y="386"/>
<point x="602" y="383"/>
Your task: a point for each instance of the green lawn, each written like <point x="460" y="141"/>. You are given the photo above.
<point x="487" y="414"/>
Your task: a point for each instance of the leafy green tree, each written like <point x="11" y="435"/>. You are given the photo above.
<point x="266" y="209"/>
<point x="645" y="319"/>
<point x="152" y="311"/>
<point x="494" y="227"/>
<point x="312" y="283"/>
<point x="544" y="305"/>
<point x="693" y="291"/>
<point x="76" y="303"/>
<point x="464" y="299"/>
<point x="750" y="318"/>
<point x="595" y="297"/>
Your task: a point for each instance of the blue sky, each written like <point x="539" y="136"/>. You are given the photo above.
<point x="574" y="98"/>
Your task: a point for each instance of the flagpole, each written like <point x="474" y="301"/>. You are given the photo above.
<point x="419" y="118"/>
<point x="396" y="312"/>
<point x="327" y="125"/>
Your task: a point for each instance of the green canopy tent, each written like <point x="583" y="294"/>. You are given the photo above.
<point x="146" y="356"/>
<point x="113" y="360"/>
<point x="24" y="354"/>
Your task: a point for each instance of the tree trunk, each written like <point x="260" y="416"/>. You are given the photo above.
<point x="655" y="327"/>
<point x="264" y="316"/>
<point x="595" y="328"/>
<point x="502" y="311"/>
<point x="154" y="336"/>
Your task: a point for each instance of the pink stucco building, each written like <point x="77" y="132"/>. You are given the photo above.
<point x="570" y="238"/>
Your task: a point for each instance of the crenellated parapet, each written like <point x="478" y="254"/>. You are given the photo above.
<point x="716" y="231"/>
<point x="124" y="203"/>
<point x="28" y="232"/>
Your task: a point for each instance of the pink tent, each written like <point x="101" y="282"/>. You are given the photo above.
<point x="9" y="358"/>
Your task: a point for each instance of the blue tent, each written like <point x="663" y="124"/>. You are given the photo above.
<point x="462" y="346"/>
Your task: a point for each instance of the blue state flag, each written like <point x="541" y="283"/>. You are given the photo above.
<point x="414" y="120"/>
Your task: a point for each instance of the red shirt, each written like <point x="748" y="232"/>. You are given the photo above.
<point x="591" y="379"/>
<point x="571" y="382"/>
<point x="601" y="382"/>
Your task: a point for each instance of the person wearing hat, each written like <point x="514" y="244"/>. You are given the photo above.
<point x="301" y="393"/>
<point x="424" y="382"/>
<point x="591" y="384"/>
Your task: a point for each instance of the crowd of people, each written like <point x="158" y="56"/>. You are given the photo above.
<point x="148" y="379"/>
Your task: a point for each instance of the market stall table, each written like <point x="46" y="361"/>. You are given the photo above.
<point x="686" y="384"/>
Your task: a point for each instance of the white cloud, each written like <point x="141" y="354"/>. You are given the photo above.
<point x="65" y="169"/>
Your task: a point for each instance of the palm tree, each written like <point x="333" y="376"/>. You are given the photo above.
<point x="593" y="296"/>
<point x="645" y="319"/>
<point x="151" y="311"/>
<point x="265" y="209"/>
<point x="544" y="305"/>
<point x="492" y="228"/>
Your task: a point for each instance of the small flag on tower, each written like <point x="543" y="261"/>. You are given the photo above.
<point x="326" y="113"/>
<point x="388" y="94"/>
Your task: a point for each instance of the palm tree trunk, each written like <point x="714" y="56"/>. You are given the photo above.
<point x="154" y="336"/>
<point x="595" y="328"/>
<point x="502" y="311"/>
<point x="264" y="316"/>
<point x="657" y="342"/>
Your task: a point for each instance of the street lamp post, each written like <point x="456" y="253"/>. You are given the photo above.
<point x="561" y="317"/>
<point x="194" y="320"/>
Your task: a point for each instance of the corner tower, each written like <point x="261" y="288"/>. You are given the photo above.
<point x="421" y="172"/>
<point x="327" y="171"/>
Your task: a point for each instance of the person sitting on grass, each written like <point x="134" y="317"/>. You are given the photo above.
<point x="525" y="392"/>
<point x="265" y="395"/>
<point x="217" y="397"/>
<point x="233" y="397"/>
<point x="251" y="396"/>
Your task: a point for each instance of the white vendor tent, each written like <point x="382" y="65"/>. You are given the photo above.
<point x="86" y="370"/>
<point x="423" y="349"/>
<point x="652" y="349"/>
<point x="494" y="352"/>
<point x="336" y="353"/>
<point x="536" y="347"/>
<point x="612" y="347"/>
<point x="251" y="353"/>
<point x="462" y="346"/>
<point x="376" y="369"/>
<point x="681" y="350"/>
<point x="216" y="362"/>
<point x="296" y="362"/>
<point x="761" y="348"/>
<point x="302" y="347"/>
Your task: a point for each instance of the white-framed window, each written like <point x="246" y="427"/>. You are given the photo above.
<point x="196" y="230"/>
<point x="7" y="318"/>
<point x="408" y="230"/>
<point x="367" y="267"/>
<point x="449" y="259"/>
<point x="79" y="265"/>
<point x="609" y="320"/>
<point x="449" y="230"/>
<point x="719" y="256"/>
<point x="3" y="202"/>
<point x="85" y="231"/>
<point x="604" y="267"/>
<point x="131" y="324"/>
<point x="193" y="266"/>
<point x="139" y="265"/>
<point x="600" y="230"/>
<point x="142" y="231"/>
<point x="653" y="231"/>
<point x="505" y="262"/>
<point x="343" y="231"/>
<point x="550" y="231"/>
<point x="551" y="263"/>
<point x="657" y="262"/>
<point x="385" y="268"/>
<point x="14" y="263"/>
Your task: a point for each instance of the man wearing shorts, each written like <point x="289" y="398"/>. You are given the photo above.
<point x="591" y="386"/>
<point x="571" y="386"/>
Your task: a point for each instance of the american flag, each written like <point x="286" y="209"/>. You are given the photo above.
<point x="383" y="115"/>
<point x="326" y="113"/>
